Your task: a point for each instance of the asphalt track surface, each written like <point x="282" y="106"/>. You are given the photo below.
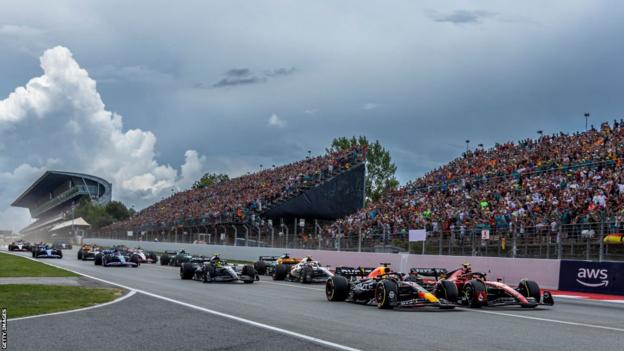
<point x="147" y="319"/>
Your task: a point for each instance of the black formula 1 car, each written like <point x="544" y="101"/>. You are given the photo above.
<point x="45" y="251"/>
<point x="215" y="269"/>
<point x="384" y="288"/>
<point x="117" y="258"/>
<point x="175" y="258"/>
<point x="306" y="271"/>
<point x="20" y="245"/>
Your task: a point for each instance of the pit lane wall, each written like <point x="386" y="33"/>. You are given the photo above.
<point x="510" y="270"/>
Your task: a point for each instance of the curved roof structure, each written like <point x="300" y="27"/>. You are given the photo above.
<point x="50" y="180"/>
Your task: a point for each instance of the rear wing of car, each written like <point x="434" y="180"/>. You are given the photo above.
<point x="354" y="272"/>
<point x="268" y="258"/>
<point x="171" y="252"/>
<point x="429" y="272"/>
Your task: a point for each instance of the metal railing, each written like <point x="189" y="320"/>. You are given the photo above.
<point x="570" y="241"/>
<point x="62" y="197"/>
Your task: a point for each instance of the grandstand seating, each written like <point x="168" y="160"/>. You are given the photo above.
<point x="556" y="180"/>
<point x="242" y="199"/>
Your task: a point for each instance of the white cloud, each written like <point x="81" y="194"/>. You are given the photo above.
<point x="370" y="106"/>
<point x="275" y="121"/>
<point x="311" y="111"/>
<point x="58" y="119"/>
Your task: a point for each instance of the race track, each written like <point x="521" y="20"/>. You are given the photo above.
<point x="303" y="309"/>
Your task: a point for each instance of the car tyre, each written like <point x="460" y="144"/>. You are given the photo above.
<point x="260" y="267"/>
<point x="187" y="271"/>
<point x="281" y="271"/>
<point x="472" y="290"/>
<point x="447" y="290"/>
<point x="98" y="259"/>
<point x="386" y="294"/>
<point x="529" y="288"/>
<point x="250" y="271"/>
<point x="337" y="288"/>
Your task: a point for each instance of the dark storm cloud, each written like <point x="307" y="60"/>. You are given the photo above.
<point x="245" y="76"/>
<point x="280" y="72"/>
<point x="238" y="72"/>
<point x="228" y="82"/>
<point x="460" y="16"/>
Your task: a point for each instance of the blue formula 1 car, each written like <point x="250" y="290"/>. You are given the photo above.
<point x="45" y="251"/>
<point x="117" y="258"/>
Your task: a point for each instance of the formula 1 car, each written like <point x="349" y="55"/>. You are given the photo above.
<point x="269" y="265"/>
<point x="175" y="258"/>
<point x="62" y="245"/>
<point x="265" y="264"/>
<point x="306" y="271"/>
<point x="88" y="252"/>
<point x="215" y="269"/>
<point x="116" y="258"/>
<point x="20" y="245"/>
<point x="144" y="257"/>
<point x="384" y="288"/>
<point x="476" y="291"/>
<point x="45" y="251"/>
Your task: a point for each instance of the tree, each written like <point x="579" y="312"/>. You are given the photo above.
<point x="209" y="179"/>
<point x="118" y="210"/>
<point x="379" y="167"/>
<point x="99" y="216"/>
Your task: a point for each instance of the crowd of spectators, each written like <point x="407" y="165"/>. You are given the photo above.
<point x="242" y="199"/>
<point x="555" y="180"/>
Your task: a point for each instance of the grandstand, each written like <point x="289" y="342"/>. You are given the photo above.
<point x="50" y="200"/>
<point x="290" y="201"/>
<point x="558" y="195"/>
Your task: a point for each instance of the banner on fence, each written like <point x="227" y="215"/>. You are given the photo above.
<point x="129" y="233"/>
<point x="594" y="277"/>
<point x="417" y="234"/>
<point x="485" y="234"/>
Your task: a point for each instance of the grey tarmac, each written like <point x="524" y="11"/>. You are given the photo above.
<point x="569" y="325"/>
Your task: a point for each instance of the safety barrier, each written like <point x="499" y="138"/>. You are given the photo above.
<point x="509" y="270"/>
<point x="592" y="277"/>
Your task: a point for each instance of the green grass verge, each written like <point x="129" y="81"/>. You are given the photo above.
<point x="15" y="266"/>
<point x="28" y="299"/>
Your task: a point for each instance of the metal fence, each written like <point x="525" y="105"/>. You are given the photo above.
<point x="555" y="241"/>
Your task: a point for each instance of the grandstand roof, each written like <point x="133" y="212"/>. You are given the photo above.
<point x="50" y="180"/>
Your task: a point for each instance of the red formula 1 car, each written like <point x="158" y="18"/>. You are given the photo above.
<point x="476" y="291"/>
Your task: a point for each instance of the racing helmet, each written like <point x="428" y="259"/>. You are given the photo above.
<point x="466" y="267"/>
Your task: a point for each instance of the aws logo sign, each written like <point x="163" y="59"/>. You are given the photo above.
<point x="593" y="277"/>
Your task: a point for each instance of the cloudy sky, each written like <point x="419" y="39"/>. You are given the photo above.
<point x="151" y="94"/>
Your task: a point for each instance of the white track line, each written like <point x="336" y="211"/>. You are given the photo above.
<point x="547" y="320"/>
<point x="119" y="299"/>
<point x="213" y="312"/>
<point x="320" y="341"/>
